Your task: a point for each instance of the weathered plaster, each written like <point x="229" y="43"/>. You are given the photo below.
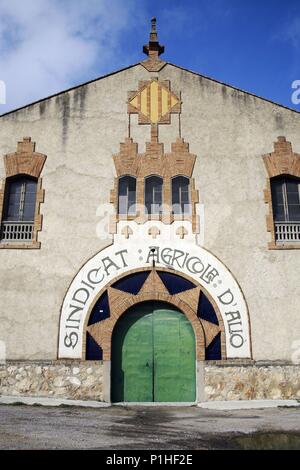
<point x="228" y="130"/>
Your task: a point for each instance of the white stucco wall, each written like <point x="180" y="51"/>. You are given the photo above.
<point x="79" y="131"/>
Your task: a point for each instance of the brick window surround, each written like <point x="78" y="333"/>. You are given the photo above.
<point x="25" y="161"/>
<point x="179" y="162"/>
<point x="283" y="161"/>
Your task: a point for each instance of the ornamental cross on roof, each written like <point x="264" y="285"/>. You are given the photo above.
<point x="153" y="50"/>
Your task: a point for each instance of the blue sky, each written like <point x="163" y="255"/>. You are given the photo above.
<point x="47" y="46"/>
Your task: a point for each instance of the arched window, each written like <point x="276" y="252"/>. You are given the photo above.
<point x="127" y="195"/>
<point x="181" y="195"/>
<point x="153" y="194"/>
<point x="286" y="208"/>
<point x="19" y="208"/>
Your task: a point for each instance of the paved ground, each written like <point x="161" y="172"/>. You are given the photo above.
<point x="26" y="427"/>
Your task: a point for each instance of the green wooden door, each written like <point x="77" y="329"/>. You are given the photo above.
<point x="153" y="356"/>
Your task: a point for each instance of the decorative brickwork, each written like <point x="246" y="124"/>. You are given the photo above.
<point x="283" y="161"/>
<point x="154" y="232"/>
<point x="25" y="161"/>
<point x="127" y="231"/>
<point x="154" y="289"/>
<point x="182" y="232"/>
<point x="155" y="162"/>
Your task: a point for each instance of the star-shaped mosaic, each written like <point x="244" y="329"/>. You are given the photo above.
<point x="152" y="289"/>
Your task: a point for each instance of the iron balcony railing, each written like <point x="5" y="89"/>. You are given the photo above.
<point x="16" y="231"/>
<point x="287" y="232"/>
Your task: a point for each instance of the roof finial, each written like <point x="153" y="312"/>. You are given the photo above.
<point x="153" y="34"/>
<point x="153" y="49"/>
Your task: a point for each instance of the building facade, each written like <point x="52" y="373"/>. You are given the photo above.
<point x="150" y="235"/>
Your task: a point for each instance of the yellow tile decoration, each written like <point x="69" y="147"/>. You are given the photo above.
<point x="144" y="104"/>
<point x="164" y="101"/>
<point x="135" y="102"/>
<point x="154" y="101"/>
<point x="173" y="101"/>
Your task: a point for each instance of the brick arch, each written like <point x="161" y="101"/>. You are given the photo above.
<point x="121" y="302"/>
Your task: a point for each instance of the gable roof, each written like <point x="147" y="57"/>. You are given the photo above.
<point x="135" y="65"/>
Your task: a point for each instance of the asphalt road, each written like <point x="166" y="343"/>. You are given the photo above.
<point x="25" y="427"/>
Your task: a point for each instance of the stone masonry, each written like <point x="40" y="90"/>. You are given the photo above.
<point x="255" y="381"/>
<point x="82" y="381"/>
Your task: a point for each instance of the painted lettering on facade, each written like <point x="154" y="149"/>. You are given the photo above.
<point x="113" y="262"/>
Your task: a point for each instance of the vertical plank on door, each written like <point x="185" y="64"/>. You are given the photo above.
<point x="174" y="357"/>
<point x="132" y="358"/>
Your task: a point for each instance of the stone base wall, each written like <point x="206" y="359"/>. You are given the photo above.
<point x="254" y="381"/>
<point x="223" y="380"/>
<point x="81" y="381"/>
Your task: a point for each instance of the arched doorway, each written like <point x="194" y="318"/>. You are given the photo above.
<point x="85" y="314"/>
<point x="153" y="355"/>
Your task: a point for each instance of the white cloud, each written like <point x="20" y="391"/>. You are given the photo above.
<point x="292" y="32"/>
<point x="48" y="45"/>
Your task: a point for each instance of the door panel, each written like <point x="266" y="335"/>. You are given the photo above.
<point x="187" y="361"/>
<point x="166" y="355"/>
<point x="174" y="357"/>
<point x="132" y="357"/>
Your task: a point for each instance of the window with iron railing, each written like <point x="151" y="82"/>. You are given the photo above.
<point x="19" y="209"/>
<point x="286" y="208"/>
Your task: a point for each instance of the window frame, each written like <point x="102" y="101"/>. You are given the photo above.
<point x="284" y="179"/>
<point x="286" y="231"/>
<point x="160" y="204"/>
<point x="22" y="200"/>
<point x="282" y="161"/>
<point x="182" y="205"/>
<point x="127" y="213"/>
<point x="24" y="161"/>
<point x="36" y="223"/>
